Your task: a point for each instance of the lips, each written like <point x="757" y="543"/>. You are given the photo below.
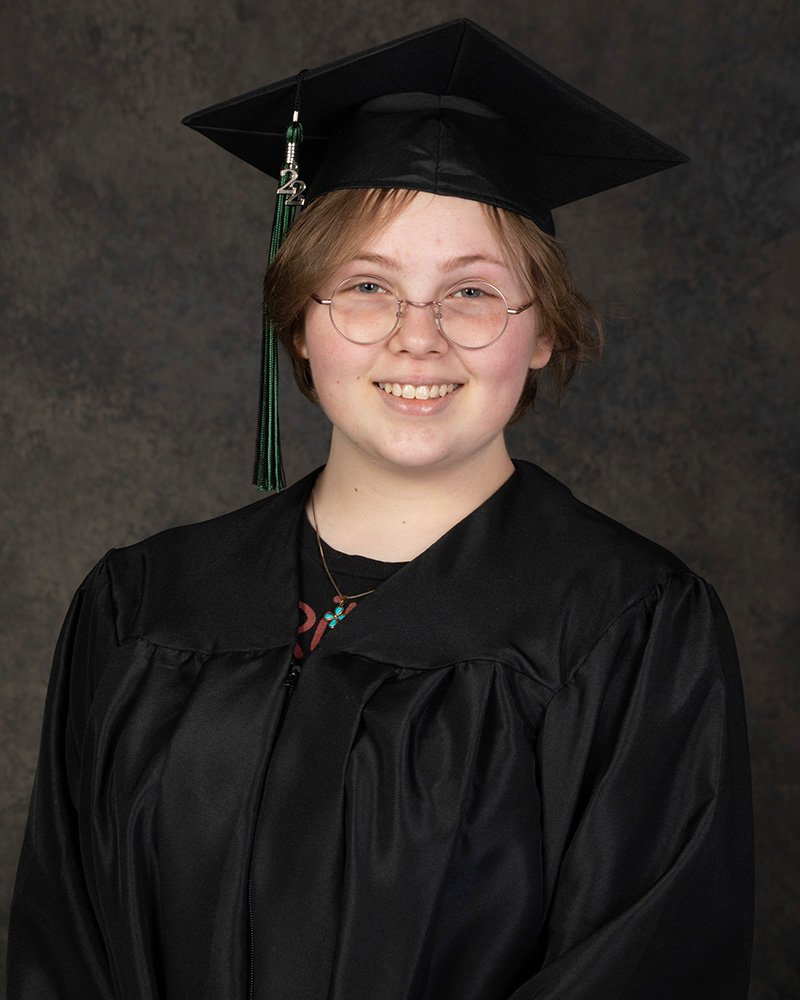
<point x="408" y="391"/>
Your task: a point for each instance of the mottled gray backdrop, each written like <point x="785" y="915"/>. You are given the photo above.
<point x="132" y="250"/>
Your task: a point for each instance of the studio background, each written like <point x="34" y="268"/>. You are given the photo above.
<point x="132" y="251"/>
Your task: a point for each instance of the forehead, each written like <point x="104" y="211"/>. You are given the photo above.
<point x="436" y="217"/>
<point x="425" y="226"/>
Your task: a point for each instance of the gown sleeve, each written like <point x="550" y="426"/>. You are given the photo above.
<point x="647" y="816"/>
<point x="56" y="947"/>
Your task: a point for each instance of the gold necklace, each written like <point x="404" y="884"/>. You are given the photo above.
<point x="340" y="599"/>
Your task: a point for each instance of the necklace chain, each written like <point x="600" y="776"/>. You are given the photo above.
<point x="339" y="596"/>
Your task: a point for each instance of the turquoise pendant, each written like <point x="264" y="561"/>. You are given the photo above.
<point x="334" y="617"/>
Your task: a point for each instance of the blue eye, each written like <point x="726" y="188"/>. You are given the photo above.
<point x="470" y="292"/>
<point x="369" y="288"/>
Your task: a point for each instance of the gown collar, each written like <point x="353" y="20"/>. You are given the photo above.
<point x="449" y="603"/>
<point x="232" y="583"/>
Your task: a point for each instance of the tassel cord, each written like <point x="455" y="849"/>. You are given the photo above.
<point x="268" y="473"/>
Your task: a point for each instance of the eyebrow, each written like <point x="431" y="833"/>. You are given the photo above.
<point x="453" y="264"/>
<point x="472" y="258"/>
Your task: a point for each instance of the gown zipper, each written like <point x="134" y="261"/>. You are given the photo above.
<point x="289" y="682"/>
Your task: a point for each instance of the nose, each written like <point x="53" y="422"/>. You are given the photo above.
<point x="418" y="333"/>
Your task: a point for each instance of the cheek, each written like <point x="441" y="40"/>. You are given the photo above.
<point x="522" y="346"/>
<point x="337" y="368"/>
<point x="508" y="366"/>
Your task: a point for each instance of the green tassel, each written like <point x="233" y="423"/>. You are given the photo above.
<point x="268" y="469"/>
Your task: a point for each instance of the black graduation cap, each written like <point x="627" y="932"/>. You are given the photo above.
<point x="453" y="110"/>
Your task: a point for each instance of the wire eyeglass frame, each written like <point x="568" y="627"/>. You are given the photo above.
<point x="435" y="305"/>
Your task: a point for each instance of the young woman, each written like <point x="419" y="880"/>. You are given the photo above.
<point x="423" y="725"/>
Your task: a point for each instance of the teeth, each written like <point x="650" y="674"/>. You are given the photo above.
<point x="408" y="391"/>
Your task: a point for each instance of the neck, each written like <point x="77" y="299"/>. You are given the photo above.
<point x="394" y="514"/>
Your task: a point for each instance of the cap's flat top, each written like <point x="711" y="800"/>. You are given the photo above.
<point x="550" y="143"/>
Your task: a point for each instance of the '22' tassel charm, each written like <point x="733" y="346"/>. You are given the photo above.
<point x="268" y="469"/>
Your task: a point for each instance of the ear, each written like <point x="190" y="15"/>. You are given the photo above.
<point x="542" y="349"/>
<point x="300" y="342"/>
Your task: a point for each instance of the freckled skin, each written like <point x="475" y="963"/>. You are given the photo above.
<point x="368" y="425"/>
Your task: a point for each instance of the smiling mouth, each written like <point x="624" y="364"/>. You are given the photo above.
<point x="408" y="391"/>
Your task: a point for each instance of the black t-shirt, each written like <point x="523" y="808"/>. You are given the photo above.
<point x="354" y="574"/>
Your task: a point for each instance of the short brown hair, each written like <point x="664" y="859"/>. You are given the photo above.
<point x="335" y="226"/>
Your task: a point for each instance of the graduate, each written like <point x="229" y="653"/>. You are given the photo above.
<point x="422" y="725"/>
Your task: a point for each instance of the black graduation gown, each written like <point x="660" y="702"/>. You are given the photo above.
<point x="518" y="770"/>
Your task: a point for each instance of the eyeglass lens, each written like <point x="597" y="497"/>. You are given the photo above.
<point x="472" y="313"/>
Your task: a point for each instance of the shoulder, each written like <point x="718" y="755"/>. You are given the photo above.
<point x="196" y="546"/>
<point x="201" y="585"/>
<point x="584" y="538"/>
<point x="583" y="570"/>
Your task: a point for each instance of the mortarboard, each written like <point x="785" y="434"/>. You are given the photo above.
<point x="452" y="110"/>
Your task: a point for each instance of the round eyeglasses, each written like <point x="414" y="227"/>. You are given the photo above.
<point x="471" y="314"/>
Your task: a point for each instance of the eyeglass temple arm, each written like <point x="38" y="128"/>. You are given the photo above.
<point x="519" y="309"/>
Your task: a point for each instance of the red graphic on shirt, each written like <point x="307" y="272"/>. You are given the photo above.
<point x="310" y="620"/>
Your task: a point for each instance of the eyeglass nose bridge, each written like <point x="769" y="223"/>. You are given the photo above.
<point x="437" y="311"/>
